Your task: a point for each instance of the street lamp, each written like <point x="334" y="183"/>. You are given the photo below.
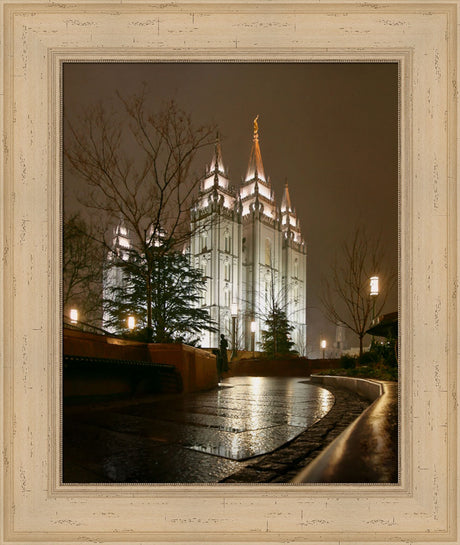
<point x="374" y="283"/>
<point x="253" y="335"/>
<point x="131" y="322"/>
<point x="374" y="291"/>
<point x="323" y="346"/>
<point x="73" y="315"/>
<point x="234" y="313"/>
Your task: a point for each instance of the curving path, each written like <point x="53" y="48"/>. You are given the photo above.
<point x="194" y="438"/>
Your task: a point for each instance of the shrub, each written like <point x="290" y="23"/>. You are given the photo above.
<point x="347" y="362"/>
<point x="369" y="357"/>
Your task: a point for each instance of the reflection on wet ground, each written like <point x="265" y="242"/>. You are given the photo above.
<point x="171" y="439"/>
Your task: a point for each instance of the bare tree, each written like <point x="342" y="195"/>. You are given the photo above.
<point x="274" y="311"/>
<point x="346" y="294"/>
<point x="82" y="269"/>
<point x="138" y="170"/>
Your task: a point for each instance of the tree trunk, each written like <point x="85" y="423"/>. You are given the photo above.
<point x="149" y="306"/>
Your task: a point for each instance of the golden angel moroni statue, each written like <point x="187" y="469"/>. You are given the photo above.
<point x="256" y="125"/>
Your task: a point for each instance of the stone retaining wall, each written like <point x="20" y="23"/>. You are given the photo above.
<point x="288" y="367"/>
<point x="197" y="367"/>
<point x="370" y="389"/>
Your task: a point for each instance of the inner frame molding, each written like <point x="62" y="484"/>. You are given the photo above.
<point x="38" y="38"/>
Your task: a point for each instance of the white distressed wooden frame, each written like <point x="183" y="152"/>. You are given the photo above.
<point x="37" y="38"/>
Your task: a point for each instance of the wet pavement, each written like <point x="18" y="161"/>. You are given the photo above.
<point x="195" y="438"/>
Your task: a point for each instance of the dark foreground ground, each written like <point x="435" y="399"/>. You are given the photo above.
<point x="250" y="430"/>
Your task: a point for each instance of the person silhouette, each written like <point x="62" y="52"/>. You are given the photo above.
<point x="223" y="353"/>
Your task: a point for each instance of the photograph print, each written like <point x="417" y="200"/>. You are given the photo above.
<point x="230" y="273"/>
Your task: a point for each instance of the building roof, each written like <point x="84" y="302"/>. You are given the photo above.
<point x="385" y="325"/>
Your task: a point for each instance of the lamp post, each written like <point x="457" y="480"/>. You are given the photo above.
<point x="253" y="337"/>
<point x="323" y="346"/>
<point x="234" y="313"/>
<point x="73" y="315"/>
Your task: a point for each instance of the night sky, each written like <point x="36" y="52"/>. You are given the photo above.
<point x="328" y="129"/>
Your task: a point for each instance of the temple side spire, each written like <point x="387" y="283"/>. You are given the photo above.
<point x="286" y="201"/>
<point x="217" y="164"/>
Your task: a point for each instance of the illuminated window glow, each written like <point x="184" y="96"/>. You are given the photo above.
<point x="208" y="183"/>
<point x="124" y="242"/>
<point x="131" y="322"/>
<point x="222" y="182"/>
<point x="264" y="191"/>
<point x="73" y="315"/>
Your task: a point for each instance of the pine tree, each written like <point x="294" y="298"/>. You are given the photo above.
<point x="276" y="340"/>
<point x="175" y="287"/>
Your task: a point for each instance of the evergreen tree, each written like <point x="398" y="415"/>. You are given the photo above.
<point x="276" y="340"/>
<point x="175" y="287"/>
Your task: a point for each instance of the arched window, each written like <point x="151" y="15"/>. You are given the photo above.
<point x="267" y="288"/>
<point x="296" y="268"/>
<point x="226" y="325"/>
<point x="296" y="295"/>
<point x="227" y="271"/>
<point x="227" y="298"/>
<point x="228" y="242"/>
<point x="204" y="243"/>
<point x="268" y="252"/>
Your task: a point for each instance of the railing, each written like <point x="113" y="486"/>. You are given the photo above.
<point x="367" y="451"/>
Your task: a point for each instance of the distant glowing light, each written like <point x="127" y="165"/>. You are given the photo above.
<point x="323" y="344"/>
<point x="73" y="315"/>
<point x="374" y="283"/>
<point x="131" y="322"/>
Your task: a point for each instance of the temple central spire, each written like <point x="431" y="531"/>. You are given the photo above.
<point x="255" y="166"/>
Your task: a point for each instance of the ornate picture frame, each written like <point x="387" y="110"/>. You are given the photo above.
<point x="37" y="38"/>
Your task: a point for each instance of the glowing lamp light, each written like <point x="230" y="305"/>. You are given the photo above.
<point x="131" y="322"/>
<point x="253" y="326"/>
<point x="73" y="315"/>
<point x="234" y="309"/>
<point x="323" y="344"/>
<point x="374" y="284"/>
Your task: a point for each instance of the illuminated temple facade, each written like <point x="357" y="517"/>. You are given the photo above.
<point x="252" y="252"/>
